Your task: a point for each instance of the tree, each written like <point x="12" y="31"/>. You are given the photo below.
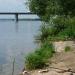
<point x="68" y="7"/>
<point x="62" y="14"/>
<point x="47" y="8"/>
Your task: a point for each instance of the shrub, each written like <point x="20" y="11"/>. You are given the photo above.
<point x="34" y="61"/>
<point x="59" y="28"/>
<point x="45" y="31"/>
<point x="67" y="48"/>
<point x="69" y="31"/>
<point x="47" y="50"/>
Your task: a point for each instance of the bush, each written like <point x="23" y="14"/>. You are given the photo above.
<point x="67" y="48"/>
<point x="38" y="59"/>
<point x="47" y="50"/>
<point x="45" y="31"/>
<point x="34" y="61"/>
<point x="59" y="29"/>
<point x="69" y="31"/>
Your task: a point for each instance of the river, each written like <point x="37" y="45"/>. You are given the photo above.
<point x="16" y="41"/>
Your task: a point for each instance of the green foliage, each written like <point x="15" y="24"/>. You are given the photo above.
<point x="66" y="28"/>
<point x="59" y="16"/>
<point x="46" y="8"/>
<point x="43" y="8"/>
<point x="69" y="31"/>
<point x="68" y="7"/>
<point x="34" y="61"/>
<point x="38" y="6"/>
<point x="67" y="48"/>
<point x="38" y="59"/>
<point x="59" y="29"/>
<point x="45" y="31"/>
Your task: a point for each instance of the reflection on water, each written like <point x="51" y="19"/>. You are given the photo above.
<point x="16" y="40"/>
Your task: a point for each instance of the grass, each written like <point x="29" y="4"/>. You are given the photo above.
<point x="38" y="59"/>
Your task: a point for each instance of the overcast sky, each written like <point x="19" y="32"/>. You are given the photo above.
<point x="13" y="5"/>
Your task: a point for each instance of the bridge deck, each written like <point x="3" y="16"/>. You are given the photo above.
<point x="19" y="13"/>
<point x="16" y="14"/>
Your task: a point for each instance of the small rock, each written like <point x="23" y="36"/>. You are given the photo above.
<point x="63" y="71"/>
<point x="43" y="71"/>
<point x="25" y="73"/>
<point x="68" y="73"/>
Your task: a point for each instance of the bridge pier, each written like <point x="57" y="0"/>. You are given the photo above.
<point x="16" y="17"/>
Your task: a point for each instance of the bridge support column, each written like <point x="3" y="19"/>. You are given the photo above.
<point x="16" y="17"/>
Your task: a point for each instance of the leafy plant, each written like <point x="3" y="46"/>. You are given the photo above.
<point x="34" y="61"/>
<point x="38" y="59"/>
<point x="67" y="48"/>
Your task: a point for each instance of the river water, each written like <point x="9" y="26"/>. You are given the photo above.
<point x="16" y="41"/>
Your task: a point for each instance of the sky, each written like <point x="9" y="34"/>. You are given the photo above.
<point x="13" y="5"/>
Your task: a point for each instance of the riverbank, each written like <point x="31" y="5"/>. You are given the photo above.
<point x="62" y="64"/>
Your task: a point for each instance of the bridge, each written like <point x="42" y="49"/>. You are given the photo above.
<point x="17" y="14"/>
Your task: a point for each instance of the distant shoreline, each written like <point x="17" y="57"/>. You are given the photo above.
<point x="27" y="19"/>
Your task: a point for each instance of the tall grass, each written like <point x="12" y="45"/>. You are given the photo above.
<point x="38" y="59"/>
